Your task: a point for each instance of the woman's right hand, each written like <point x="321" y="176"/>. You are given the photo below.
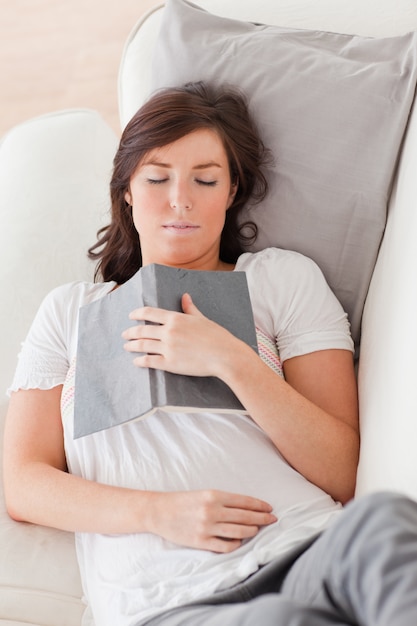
<point x="209" y="520"/>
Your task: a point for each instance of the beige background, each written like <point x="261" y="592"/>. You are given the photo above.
<point x="58" y="54"/>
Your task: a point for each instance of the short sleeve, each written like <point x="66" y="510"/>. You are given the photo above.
<point x="315" y="318"/>
<point x="51" y="343"/>
<point x="43" y="359"/>
<point x="293" y="303"/>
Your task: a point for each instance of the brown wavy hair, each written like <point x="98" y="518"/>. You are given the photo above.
<point x="167" y="116"/>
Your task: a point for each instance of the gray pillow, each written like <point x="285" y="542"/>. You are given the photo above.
<point x="333" y="109"/>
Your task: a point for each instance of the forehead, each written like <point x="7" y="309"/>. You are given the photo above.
<point x="200" y="145"/>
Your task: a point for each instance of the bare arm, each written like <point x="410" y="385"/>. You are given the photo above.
<point x="39" y="489"/>
<point x="37" y="486"/>
<point x="312" y="417"/>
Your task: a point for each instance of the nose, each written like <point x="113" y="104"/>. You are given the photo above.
<point x="180" y="197"/>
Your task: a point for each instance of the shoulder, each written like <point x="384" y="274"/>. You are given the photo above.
<point x="292" y="301"/>
<point x="289" y="278"/>
<point x="282" y="266"/>
<point x="81" y="290"/>
<point x="274" y="257"/>
<point x="56" y="321"/>
<point x="75" y="294"/>
<point x="58" y="312"/>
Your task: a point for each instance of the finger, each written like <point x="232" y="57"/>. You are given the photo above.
<point x="188" y="305"/>
<point x="248" y="518"/>
<point x="142" y="331"/>
<point x="238" y="501"/>
<point x="222" y="545"/>
<point x="146" y="346"/>
<point x="150" y="361"/>
<point x="236" y="531"/>
<point x="150" y="314"/>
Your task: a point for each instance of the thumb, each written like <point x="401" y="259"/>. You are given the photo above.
<point x="188" y="305"/>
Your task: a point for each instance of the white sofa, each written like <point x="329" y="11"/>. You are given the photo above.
<point x="54" y="172"/>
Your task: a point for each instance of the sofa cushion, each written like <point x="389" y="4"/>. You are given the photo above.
<point x="374" y="18"/>
<point x="39" y="576"/>
<point x="333" y="108"/>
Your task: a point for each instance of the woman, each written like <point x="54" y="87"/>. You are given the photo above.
<point x="180" y="508"/>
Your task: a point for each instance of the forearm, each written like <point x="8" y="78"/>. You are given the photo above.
<point x="38" y="488"/>
<point x="208" y="520"/>
<point x="41" y="494"/>
<point x="321" y="446"/>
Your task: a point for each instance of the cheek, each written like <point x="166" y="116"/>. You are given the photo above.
<point x="138" y="214"/>
<point x="146" y="211"/>
<point x="218" y="207"/>
<point x="140" y="219"/>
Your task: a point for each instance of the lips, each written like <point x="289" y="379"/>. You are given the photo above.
<point x="181" y="227"/>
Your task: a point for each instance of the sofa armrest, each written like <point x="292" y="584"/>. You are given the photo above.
<point x="54" y="195"/>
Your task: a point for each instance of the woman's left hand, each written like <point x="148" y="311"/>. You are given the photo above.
<point x="182" y="343"/>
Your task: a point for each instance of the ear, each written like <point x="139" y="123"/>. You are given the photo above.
<point x="233" y="191"/>
<point x="128" y="197"/>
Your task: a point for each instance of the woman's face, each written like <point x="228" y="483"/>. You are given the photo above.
<point x="179" y="195"/>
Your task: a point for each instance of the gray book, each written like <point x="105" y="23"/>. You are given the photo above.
<point x="110" y="390"/>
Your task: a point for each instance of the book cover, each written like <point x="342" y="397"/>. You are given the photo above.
<point x="110" y="390"/>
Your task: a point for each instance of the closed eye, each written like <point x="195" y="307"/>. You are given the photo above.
<point x="208" y="183"/>
<point x="156" y="181"/>
<point x="159" y="181"/>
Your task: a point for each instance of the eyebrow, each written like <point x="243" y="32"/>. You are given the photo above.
<point x="200" y="166"/>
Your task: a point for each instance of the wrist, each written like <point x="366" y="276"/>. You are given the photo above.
<point x="149" y="511"/>
<point x="240" y="360"/>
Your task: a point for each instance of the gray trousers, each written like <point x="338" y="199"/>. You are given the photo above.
<point x="362" y="570"/>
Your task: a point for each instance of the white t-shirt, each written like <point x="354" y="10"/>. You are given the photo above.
<point x="128" y="578"/>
